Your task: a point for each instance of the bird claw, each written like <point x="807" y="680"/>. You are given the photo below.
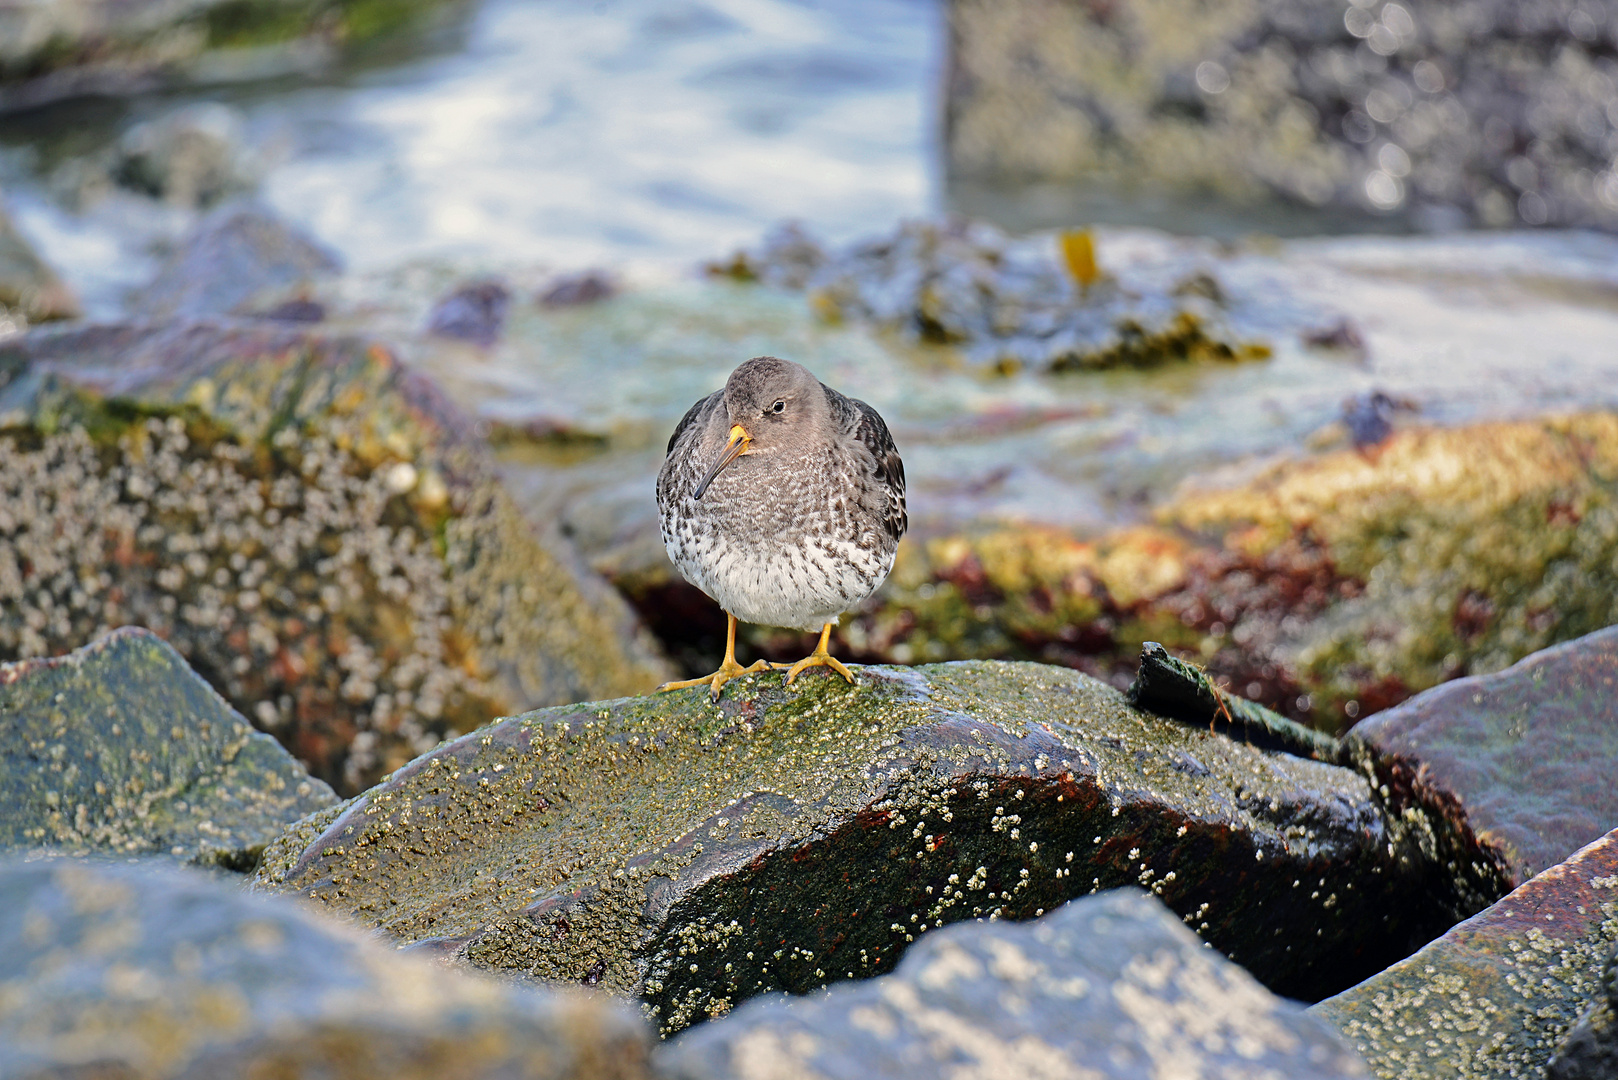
<point x="816" y="659"/>
<point x="715" y="682"/>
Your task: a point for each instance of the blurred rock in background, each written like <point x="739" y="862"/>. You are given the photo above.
<point x="55" y="51"/>
<point x="1428" y="113"/>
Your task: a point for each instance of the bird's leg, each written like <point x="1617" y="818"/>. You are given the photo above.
<point x="728" y="670"/>
<point x="821" y="657"/>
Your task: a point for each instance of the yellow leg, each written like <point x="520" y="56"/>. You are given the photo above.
<point x="727" y="670"/>
<point x="821" y="657"/>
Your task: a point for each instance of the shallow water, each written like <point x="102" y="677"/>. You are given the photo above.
<point x="547" y="131"/>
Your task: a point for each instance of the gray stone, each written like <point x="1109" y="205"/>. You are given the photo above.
<point x="29" y="288"/>
<point x="1107" y="986"/>
<point x="144" y="972"/>
<point x="1518" y="761"/>
<point x="1430" y="112"/>
<point x="120" y="748"/>
<point x="1496" y="995"/>
<point x="238" y="260"/>
<point x="697" y="854"/>
<point x="191" y="157"/>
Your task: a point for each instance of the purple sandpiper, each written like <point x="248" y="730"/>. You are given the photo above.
<point x="784" y="501"/>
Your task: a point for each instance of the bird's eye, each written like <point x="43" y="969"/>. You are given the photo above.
<point x="779" y="406"/>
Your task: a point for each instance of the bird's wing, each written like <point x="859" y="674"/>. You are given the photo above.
<point x="865" y="424"/>
<point x="690" y="417"/>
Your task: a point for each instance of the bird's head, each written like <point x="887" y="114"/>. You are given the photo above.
<point x="771" y="405"/>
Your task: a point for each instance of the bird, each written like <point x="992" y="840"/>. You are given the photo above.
<point x="784" y="501"/>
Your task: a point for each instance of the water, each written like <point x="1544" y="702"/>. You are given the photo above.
<point x="617" y="133"/>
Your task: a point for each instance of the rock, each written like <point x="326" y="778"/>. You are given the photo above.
<point x="1107" y="986"/>
<point x="1517" y="760"/>
<point x="119" y="747"/>
<point x="149" y="972"/>
<point x="191" y="157"/>
<point x="571" y="290"/>
<point x="697" y="855"/>
<point x="308" y="523"/>
<point x="474" y="313"/>
<point x="1326" y="587"/>
<point x="1590" y="1050"/>
<point x="29" y="289"/>
<point x="117" y="48"/>
<point x="238" y="260"/>
<point x="1495" y="995"/>
<point x="1429" y="112"/>
<point x="1040" y="303"/>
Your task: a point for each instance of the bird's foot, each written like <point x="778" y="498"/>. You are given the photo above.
<point x="728" y="670"/>
<point x="818" y="658"/>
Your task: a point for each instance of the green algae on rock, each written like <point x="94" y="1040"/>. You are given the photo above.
<point x="1325" y="587"/>
<point x="1009" y="304"/>
<point x="1108" y="986"/>
<point x="306" y="521"/>
<point x="52" y="52"/>
<point x="1495" y="995"/>
<point x="120" y="748"/>
<point x="148" y="972"/>
<point x="696" y="854"/>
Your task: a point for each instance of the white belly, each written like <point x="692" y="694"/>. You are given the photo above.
<point x="800" y="586"/>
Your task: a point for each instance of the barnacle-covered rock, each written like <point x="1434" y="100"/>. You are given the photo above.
<point x="120" y="748"/>
<point x="306" y="522"/>
<point x="696" y="854"/>
<point x="1494" y="996"/>
<point x="148" y="971"/>
<point x="1041" y="303"/>
<point x="1111" y="985"/>
<point x="1434" y="112"/>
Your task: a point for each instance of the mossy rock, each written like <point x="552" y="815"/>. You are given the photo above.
<point x="1326" y="587"/>
<point x="150" y="972"/>
<point x="1496" y="995"/>
<point x="119" y="748"/>
<point x="697" y="854"/>
<point x="306" y="521"/>
<point x="1113" y="981"/>
<point x="50" y="52"/>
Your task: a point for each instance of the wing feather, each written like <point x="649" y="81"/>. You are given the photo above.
<point x="866" y="426"/>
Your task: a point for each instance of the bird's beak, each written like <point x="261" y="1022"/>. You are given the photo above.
<point x="739" y="441"/>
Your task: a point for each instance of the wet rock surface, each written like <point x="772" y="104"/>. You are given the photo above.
<point x="1105" y="986"/>
<point x="143" y="971"/>
<point x="1487" y="112"/>
<point x="240" y="260"/>
<point x="310" y="525"/>
<point x="1497" y="994"/>
<point x="696" y="854"/>
<point x="1590" y="1050"/>
<point x="120" y="748"/>
<point x="1043" y="303"/>
<point x="1520" y="759"/>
